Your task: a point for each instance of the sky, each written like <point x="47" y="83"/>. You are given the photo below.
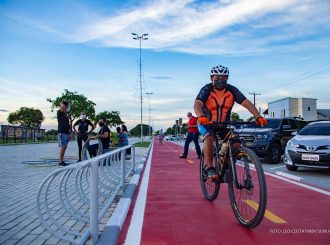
<point x="276" y="48"/>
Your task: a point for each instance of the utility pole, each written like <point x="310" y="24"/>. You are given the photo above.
<point x="254" y="98"/>
<point x="149" y="93"/>
<point x="140" y="38"/>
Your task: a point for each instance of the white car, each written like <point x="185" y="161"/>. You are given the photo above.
<point x="174" y="138"/>
<point x="310" y="147"/>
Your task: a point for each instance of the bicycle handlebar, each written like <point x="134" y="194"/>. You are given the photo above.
<point x="230" y="123"/>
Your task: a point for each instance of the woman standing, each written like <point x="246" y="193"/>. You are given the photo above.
<point x="124" y="131"/>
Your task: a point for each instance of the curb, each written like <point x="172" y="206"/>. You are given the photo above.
<point x="112" y="229"/>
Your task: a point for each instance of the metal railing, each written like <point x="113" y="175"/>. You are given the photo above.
<point x="71" y="201"/>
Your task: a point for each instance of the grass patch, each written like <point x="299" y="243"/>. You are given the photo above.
<point x="142" y="144"/>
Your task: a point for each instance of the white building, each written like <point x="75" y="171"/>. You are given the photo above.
<point x="293" y="107"/>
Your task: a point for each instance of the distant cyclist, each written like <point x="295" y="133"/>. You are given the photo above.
<point x="214" y="104"/>
<point x="161" y="136"/>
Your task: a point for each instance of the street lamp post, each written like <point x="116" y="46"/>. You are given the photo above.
<point x="149" y="93"/>
<point x="140" y="38"/>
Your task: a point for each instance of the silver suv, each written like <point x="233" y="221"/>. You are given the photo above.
<point x="310" y="147"/>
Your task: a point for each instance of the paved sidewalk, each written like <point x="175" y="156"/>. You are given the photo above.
<point x="19" y="223"/>
<point x="176" y="212"/>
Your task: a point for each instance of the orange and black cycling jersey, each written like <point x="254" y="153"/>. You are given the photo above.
<point x="218" y="103"/>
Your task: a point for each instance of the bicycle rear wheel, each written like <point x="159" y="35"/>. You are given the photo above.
<point x="250" y="199"/>
<point x="210" y="188"/>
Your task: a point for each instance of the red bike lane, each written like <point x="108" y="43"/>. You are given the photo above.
<point x="176" y="211"/>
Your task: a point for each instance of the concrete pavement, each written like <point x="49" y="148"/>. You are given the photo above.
<point x="19" y="182"/>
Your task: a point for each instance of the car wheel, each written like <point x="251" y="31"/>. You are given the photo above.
<point x="274" y="154"/>
<point x="291" y="168"/>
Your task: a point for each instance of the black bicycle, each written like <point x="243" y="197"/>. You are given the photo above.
<point x="241" y="169"/>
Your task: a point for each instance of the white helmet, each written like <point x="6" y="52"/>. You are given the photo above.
<point x="219" y="70"/>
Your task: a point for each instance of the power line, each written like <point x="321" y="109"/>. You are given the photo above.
<point x="300" y="77"/>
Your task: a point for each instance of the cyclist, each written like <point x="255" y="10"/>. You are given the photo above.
<point x="161" y="136"/>
<point x="214" y="104"/>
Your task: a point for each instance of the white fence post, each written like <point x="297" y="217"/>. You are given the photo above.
<point x="133" y="158"/>
<point x="75" y="179"/>
<point x="122" y="163"/>
<point x="94" y="223"/>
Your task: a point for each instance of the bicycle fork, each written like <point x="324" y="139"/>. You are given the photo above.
<point x="248" y="181"/>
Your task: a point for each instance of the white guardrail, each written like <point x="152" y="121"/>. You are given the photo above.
<point x="72" y="200"/>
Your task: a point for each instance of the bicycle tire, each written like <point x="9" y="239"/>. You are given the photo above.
<point x="210" y="188"/>
<point x="257" y="205"/>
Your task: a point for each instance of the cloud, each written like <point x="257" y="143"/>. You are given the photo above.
<point x="219" y="27"/>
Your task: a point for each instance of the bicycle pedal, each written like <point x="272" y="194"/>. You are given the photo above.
<point x="214" y="178"/>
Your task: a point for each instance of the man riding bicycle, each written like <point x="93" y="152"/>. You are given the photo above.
<point x="214" y="104"/>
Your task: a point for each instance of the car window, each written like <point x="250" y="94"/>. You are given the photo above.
<point x="293" y="124"/>
<point x="301" y="124"/>
<point x="316" y="129"/>
<point x="271" y="123"/>
<point x="286" y="124"/>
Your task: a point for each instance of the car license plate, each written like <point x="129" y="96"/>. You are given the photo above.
<point x="308" y="157"/>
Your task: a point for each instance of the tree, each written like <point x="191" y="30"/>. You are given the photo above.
<point x="251" y="119"/>
<point x="184" y="129"/>
<point x="113" y="118"/>
<point x="235" y="117"/>
<point x="171" y="130"/>
<point x="78" y="103"/>
<point x="136" y="131"/>
<point x="28" y="117"/>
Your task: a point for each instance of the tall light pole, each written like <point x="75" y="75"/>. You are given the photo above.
<point x="149" y="93"/>
<point x="140" y="38"/>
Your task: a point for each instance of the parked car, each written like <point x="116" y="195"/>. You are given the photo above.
<point x="310" y="147"/>
<point x="174" y="138"/>
<point x="270" y="141"/>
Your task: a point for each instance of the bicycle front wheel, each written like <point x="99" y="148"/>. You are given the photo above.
<point x="249" y="199"/>
<point x="210" y="187"/>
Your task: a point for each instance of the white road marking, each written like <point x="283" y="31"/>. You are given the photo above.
<point x="135" y="228"/>
<point x="295" y="182"/>
<point x="300" y="184"/>
<point x="290" y="176"/>
<point x="278" y="167"/>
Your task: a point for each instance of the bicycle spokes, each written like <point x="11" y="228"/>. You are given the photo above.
<point x="247" y="193"/>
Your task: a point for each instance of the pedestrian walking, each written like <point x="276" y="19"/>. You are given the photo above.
<point x="192" y="136"/>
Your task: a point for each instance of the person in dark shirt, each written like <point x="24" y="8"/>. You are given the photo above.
<point x="82" y="134"/>
<point x="103" y="135"/>
<point x="64" y="129"/>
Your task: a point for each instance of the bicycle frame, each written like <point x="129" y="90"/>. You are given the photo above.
<point x="230" y="140"/>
